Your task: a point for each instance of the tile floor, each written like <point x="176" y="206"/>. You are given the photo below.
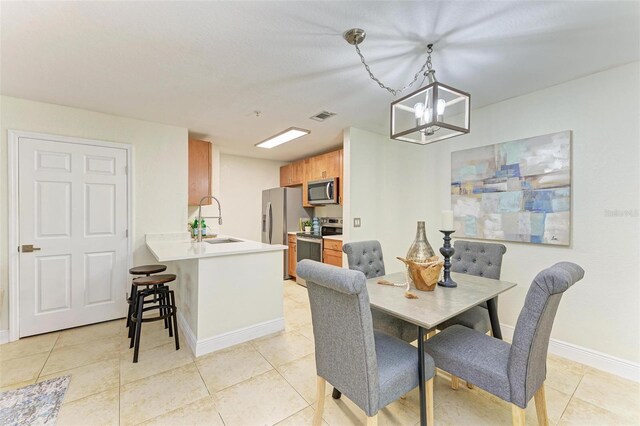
<point x="267" y="381"/>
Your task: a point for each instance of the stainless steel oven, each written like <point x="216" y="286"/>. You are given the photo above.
<point x="308" y="246"/>
<point x="324" y="191"/>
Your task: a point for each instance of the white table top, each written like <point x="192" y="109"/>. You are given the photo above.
<point x="433" y="307"/>
<point x="165" y="251"/>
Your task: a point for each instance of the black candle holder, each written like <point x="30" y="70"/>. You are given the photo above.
<point x="447" y="251"/>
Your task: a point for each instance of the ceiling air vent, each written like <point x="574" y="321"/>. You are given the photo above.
<point x="321" y="116"/>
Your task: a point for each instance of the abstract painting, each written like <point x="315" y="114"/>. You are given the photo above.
<point x="514" y="191"/>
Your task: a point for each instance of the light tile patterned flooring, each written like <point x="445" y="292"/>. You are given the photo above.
<point x="267" y="381"/>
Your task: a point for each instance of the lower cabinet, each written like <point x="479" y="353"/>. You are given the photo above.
<point x="293" y="255"/>
<point x="332" y="252"/>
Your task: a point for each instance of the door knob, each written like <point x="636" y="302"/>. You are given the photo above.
<point x="28" y="248"/>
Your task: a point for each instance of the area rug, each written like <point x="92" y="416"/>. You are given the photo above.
<point x="36" y="404"/>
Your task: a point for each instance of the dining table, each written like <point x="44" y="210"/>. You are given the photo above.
<point x="432" y="308"/>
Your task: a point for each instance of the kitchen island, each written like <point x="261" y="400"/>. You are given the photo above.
<point x="228" y="290"/>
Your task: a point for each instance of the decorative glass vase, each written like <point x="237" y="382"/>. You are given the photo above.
<point x="420" y="250"/>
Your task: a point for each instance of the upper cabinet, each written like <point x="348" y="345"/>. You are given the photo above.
<point x="200" y="159"/>
<point x="323" y="166"/>
<point x="292" y="174"/>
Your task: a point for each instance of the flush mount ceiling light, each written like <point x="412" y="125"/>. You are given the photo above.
<point x="286" y="136"/>
<point x="431" y="113"/>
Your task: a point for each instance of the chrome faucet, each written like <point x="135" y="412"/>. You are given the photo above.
<point x="219" y="217"/>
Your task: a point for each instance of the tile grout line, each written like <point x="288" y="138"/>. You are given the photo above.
<point x="46" y="360"/>
<point x="570" y="399"/>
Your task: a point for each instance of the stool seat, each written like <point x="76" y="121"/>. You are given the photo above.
<point x="147" y="269"/>
<point x="154" y="280"/>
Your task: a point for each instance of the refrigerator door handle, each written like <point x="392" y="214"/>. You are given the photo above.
<point x="270" y="222"/>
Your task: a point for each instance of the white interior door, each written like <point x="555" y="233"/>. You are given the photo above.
<point x="73" y="210"/>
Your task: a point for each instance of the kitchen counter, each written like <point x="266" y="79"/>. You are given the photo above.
<point x="226" y="293"/>
<point x="333" y="237"/>
<point x="167" y="250"/>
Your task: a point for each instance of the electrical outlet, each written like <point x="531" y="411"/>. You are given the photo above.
<point x="356" y="222"/>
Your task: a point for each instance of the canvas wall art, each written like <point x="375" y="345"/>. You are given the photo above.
<point x="514" y="191"/>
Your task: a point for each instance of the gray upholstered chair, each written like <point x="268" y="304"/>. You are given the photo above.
<point x="366" y="257"/>
<point x="371" y="368"/>
<point x="483" y="260"/>
<point x="513" y="372"/>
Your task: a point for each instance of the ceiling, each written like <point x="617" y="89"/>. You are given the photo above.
<point x="208" y="66"/>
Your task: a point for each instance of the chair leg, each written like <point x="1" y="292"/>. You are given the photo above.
<point x="517" y="415"/>
<point x="470" y="385"/>
<point x="172" y="297"/>
<point x="373" y="420"/>
<point x="320" y="390"/>
<point x="541" y="406"/>
<point x="138" y="333"/>
<point x="430" y="420"/>
<point x="431" y="334"/>
<point x="455" y="382"/>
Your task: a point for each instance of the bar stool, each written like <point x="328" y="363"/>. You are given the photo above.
<point x="141" y="270"/>
<point x="162" y="299"/>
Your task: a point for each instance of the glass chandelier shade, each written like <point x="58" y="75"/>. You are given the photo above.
<point x="414" y="118"/>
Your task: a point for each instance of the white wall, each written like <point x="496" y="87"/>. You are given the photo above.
<point x="389" y="189"/>
<point x="242" y="180"/>
<point x="601" y="313"/>
<point x="159" y="167"/>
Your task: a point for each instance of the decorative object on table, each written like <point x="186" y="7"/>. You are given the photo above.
<point x="315" y="225"/>
<point x="34" y="404"/>
<point x="447" y="251"/>
<point x="514" y="191"/>
<point x="420" y="250"/>
<point x="407" y="291"/>
<point x="431" y="113"/>
<point x="424" y="275"/>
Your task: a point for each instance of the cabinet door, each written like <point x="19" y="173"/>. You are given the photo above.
<point x="293" y="258"/>
<point x="199" y="171"/>
<point x="297" y="173"/>
<point x="332" y="257"/>
<point x="285" y="175"/>
<point x="331" y="164"/>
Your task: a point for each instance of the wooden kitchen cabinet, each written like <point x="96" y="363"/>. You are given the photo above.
<point x="200" y="159"/>
<point x="293" y="255"/>
<point x="324" y="166"/>
<point x="332" y="252"/>
<point x="292" y="174"/>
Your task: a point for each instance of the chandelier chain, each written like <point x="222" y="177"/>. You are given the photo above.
<point x="396" y="92"/>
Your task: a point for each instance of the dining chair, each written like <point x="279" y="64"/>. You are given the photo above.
<point x="366" y="257"/>
<point x="482" y="260"/>
<point x="513" y="372"/>
<point x="370" y="367"/>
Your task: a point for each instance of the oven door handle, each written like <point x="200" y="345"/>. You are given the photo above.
<point x="310" y="240"/>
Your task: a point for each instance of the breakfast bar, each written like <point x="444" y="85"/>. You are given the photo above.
<point x="228" y="290"/>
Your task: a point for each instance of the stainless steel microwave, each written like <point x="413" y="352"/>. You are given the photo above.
<point x="323" y="191"/>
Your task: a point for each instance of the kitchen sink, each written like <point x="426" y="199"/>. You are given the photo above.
<point x="222" y="241"/>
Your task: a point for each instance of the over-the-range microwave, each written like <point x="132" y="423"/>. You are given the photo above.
<point x="323" y="191"/>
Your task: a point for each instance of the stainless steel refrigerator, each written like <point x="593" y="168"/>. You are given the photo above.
<point x="281" y="211"/>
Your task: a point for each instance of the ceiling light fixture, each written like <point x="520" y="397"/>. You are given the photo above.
<point x="414" y="118"/>
<point x="286" y="136"/>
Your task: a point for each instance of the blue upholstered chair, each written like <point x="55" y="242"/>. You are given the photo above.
<point x="371" y="368"/>
<point x="513" y="372"/>
<point x="366" y="257"/>
<point x="482" y="260"/>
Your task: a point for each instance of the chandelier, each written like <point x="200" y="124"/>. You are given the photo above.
<point x="432" y="113"/>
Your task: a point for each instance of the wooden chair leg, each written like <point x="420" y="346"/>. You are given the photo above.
<point x="430" y="407"/>
<point x="541" y="406"/>
<point x="517" y="415"/>
<point x="431" y="334"/>
<point x="455" y="382"/>
<point x="373" y="420"/>
<point x="320" y="390"/>
<point x="470" y="385"/>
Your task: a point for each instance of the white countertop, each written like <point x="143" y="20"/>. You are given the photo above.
<point x="333" y="237"/>
<point x="179" y="249"/>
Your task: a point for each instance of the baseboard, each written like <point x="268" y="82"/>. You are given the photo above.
<point x="4" y="336"/>
<point x="225" y="340"/>
<point x="611" y="364"/>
